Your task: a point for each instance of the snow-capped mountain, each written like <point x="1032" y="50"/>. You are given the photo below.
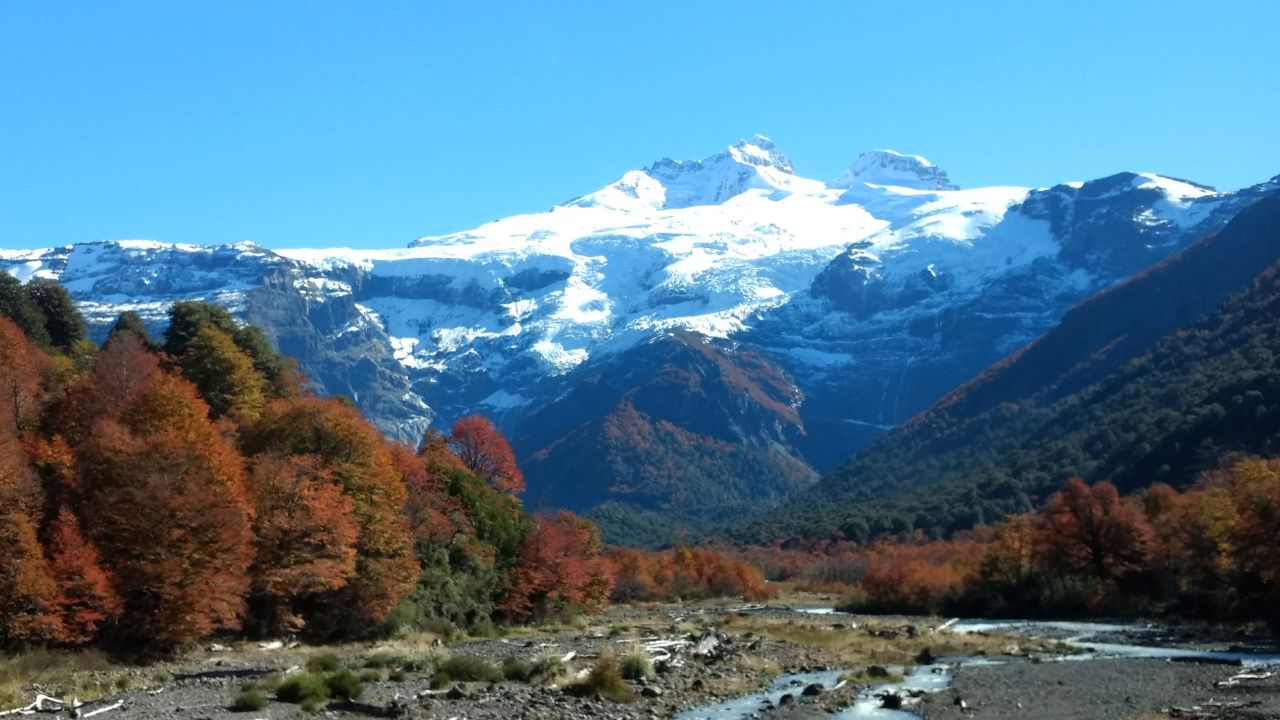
<point x="868" y="297"/>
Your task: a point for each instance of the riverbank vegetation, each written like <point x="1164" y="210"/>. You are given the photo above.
<point x="1207" y="552"/>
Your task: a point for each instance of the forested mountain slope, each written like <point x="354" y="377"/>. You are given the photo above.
<point x="1154" y="381"/>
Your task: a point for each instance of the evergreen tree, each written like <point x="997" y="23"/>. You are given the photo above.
<point x="17" y="305"/>
<point x="129" y="322"/>
<point x="187" y="317"/>
<point x="62" y="318"/>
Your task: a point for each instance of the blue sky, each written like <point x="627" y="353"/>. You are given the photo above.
<point x="369" y="124"/>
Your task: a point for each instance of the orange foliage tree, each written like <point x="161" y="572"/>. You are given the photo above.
<point x="683" y="573"/>
<point x="486" y="452"/>
<point x="304" y="538"/>
<point x="162" y="496"/>
<point x="28" y="593"/>
<point x="86" y="598"/>
<point x="22" y="366"/>
<point x="351" y="451"/>
<point x="560" y="569"/>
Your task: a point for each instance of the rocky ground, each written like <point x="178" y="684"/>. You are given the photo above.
<point x="1103" y="690"/>
<point x="718" y="652"/>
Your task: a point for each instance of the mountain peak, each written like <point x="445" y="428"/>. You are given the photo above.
<point x="762" y="152"/>
<point x="889" y="167"/>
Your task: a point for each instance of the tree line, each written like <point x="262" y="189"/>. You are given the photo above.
<point x="1208" y="552"/>
<point x="153" y="493"/>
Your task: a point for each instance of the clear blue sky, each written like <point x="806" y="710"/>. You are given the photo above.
<point x="372" y="123"/>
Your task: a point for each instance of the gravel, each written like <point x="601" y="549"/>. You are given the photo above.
<point x="1099" y="690"/>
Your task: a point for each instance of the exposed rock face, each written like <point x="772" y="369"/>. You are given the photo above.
<point x="728" y="310"/>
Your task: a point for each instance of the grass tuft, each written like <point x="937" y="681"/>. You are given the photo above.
<point x="304" y="689"/>
<point x="249" y="700"/>
<point x="328" y="662"/>
<point x="606" y="681"/>
<point x="517" y="670"/>
<point x="637" y="667"/>
<point x="344" y="685"/>
<point x="465" y="668"/>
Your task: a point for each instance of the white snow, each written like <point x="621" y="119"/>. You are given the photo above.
<point x="703" y="245"/>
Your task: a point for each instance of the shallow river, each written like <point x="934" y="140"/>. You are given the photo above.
<point x="932" y="678"/>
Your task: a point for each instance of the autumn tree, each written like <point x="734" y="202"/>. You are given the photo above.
<point x="169" y="514"/>
<point x="357" y="458"/>
<point x="486" y="452"/>
<point x="28" y="593"/>
<point x="561" y="570"/>
<point x="305" y="538"/>
<point x="633" y="575"/>
<point x="223" y="373"/>
<point x="1093" y="531"/>
<point x="20" y="382"/>
<point x="85" y="597"/>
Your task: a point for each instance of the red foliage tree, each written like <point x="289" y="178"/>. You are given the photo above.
<point x="85" y="596"/>
<point x="1093" y="531"/>
<point x="305" y="538"/>
<point x="486" y="452"/>
<point x="435" y="517"/>
<point x="560" y="569"/>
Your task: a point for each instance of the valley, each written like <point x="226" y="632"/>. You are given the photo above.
<point x="687" y="345"/>
<point x="790" y="658"/>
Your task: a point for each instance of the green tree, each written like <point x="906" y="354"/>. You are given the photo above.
<point x="223" y="373"/>
<point x="62" y="318"/>
<point x="17" y="305"/>
<point x="130" y="322"/>
<point x="187" y="317"/>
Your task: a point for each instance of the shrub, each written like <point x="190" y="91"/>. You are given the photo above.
<point x="249" y="700"/>
<point x="327" y="662"/>
<point x="606" y="681"/>
<point x="304" y="689"/>
<point x="467" y="668"/>
<point x="386" y="659"/>
<point x="637" y="667"/>
<point x="546" y="667"/>
<point x="345" y="685"/>
<point x="517" y="670"/>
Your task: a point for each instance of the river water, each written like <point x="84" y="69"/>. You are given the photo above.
<point x="931" y="678"/>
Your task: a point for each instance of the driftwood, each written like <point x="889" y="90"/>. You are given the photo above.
<point x="43" y="703"/>
<point x="105" y="709"/>
<point x="1241" y="677"/>
<point x="46" y="704"/>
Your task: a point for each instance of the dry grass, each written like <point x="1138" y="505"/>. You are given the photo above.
<point x="86" y="674"/>
<point x="880" y="642"/>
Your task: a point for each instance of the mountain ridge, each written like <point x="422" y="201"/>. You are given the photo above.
<point x="874" y="299"/>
